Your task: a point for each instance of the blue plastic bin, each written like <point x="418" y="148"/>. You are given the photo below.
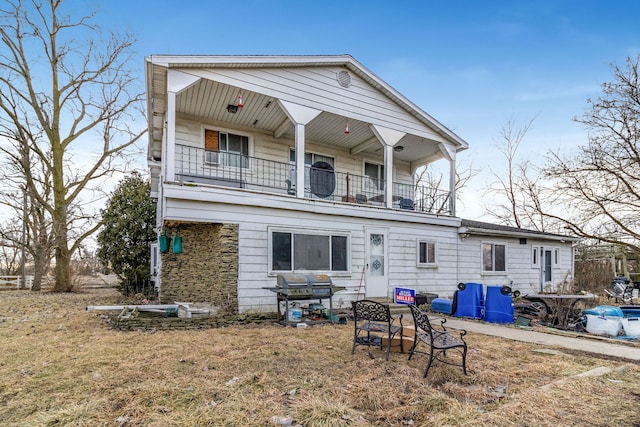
<point x="498" y="307"/>
<point x="442" y="305"/>
<point x="470" y="301"/>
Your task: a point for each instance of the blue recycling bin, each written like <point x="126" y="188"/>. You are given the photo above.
<point x="498" y="306"/>
<point x="469" y="300"/>
<point x="441" y="305"/>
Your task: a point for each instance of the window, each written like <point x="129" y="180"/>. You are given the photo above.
<point x="311" y="158"/>
<point x="493" y="257"/>
<point x="556" y="256"/>
<point x="301" y="251"/>
<point x="534" y="256"/>
<point x="375" y="172"/>
<point x="426" y="253"/>
<point x="226" y="149"/>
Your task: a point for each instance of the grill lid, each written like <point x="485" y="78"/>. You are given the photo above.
<point x="299" y="279"/>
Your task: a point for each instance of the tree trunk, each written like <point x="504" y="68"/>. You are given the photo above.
<point x="63" y="268"/>
<point x="40" y="264"/>
<point x="60" y="224"/>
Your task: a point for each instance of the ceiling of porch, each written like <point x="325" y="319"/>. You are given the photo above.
<point x="209" y="100"/>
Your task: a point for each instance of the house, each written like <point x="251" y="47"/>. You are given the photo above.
<point x="529" y="261"/>
<point x="264" y="165"/>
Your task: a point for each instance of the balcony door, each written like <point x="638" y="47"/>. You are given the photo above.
<point x="376" y="262"/>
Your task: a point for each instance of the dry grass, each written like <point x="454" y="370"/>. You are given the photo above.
<point x="63" y="366"/>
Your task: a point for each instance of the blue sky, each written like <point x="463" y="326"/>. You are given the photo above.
<point x="473" y="65"/>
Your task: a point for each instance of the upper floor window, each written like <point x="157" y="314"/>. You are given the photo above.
<point x="426" y="253"/>
<point x="493" y="257"/>
<point x="375" y="173"/>
<point x="311" y="158"/>
<point x="226" y="149"/>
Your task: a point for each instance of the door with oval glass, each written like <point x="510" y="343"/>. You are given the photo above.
<point x="376" y="262"/>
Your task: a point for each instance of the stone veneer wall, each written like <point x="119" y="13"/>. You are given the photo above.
<point x="177" y="323"/>
<point x="207" y="269"/>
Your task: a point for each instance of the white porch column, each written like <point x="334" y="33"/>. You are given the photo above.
<point x="450" y="154"/>
<point x="388" y="176"/>
<point x="299" y="116"/>
<point x="389" y="139"/>
<point x="176" y="82"/>
<point x="299" y="136"/>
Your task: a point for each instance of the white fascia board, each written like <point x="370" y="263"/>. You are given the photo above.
<point x="248" y="60"/>
<point x="505" y="233"/>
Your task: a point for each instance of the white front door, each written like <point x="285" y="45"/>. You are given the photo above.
<point x="376" y="263"/>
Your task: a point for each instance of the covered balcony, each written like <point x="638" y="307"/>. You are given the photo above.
<point x="328" y="106"/>
<point x="321" y="181"/>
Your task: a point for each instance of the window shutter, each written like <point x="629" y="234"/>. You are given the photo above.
<point x="211" y="142"/>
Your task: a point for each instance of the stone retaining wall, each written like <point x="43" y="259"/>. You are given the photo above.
<point x="176" y="323"/>
<point x="207" y="269"/>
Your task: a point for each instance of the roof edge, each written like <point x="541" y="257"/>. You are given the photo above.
<point x="485" y="228"/>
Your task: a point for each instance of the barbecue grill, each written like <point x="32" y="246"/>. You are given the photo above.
<point x="298" y="286"/>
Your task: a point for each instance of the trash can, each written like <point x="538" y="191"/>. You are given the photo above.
<point x="498" y="306"/>
<point x="442" y="305"/>
<point x="469" y="300"/>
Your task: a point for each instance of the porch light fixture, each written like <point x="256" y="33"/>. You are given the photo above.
<point x="232" y="108"/>
<point x="398" y="148"/>
<point x="346" y="127"/>
<point x="240" y="102"/>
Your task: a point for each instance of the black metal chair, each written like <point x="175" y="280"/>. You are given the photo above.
<point x="373" y="323"/>
<point x="438" y="340"/>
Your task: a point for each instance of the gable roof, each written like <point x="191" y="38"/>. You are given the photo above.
<point x="290" y="61"/>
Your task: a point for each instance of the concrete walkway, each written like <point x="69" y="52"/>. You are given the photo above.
<point x="573" y="341"/>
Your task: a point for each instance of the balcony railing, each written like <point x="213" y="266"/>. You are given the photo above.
<point x="321" y="182"/>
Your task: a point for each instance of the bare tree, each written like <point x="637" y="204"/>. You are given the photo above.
<point x="599" y="188"/>
<point x="518" y="184"/>
<point x="63" y="88"/>
<point x="29" y="214"/>
<point x="9" y="250"/>
<point x="432" y="179"/>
